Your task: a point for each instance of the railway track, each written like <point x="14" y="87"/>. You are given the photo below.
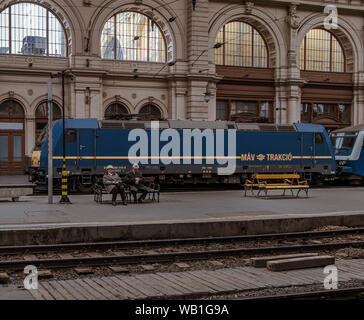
<point x="125" y="258"/>
<point x="6" y="250"/>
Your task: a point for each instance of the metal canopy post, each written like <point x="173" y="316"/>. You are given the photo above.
<point x="50" y="144"/>
<point x="64" y="197"/>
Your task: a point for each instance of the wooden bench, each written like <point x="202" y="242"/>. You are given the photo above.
<point x="153" y="192"/>
<point x="14" y="191"/>
<point x="265" y="182"/>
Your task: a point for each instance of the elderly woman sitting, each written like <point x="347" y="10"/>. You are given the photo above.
<point x="114" y="185"/>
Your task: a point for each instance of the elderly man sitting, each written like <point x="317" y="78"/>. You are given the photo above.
<point x="135" y="180"/>
<point x="114" y="185"/>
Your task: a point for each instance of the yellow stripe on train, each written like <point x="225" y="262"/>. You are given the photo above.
<point x="175" y="157"/>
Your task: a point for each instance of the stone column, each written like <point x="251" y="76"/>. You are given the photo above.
<point x="280" y="107"/>
<point x="198" y="48"/>
<point x="95" y="103"/>
<point x="357" y="112"/>
<point x="71" y="99"/>
<point x="181" y="103"/>
<point x="29" y="132"/>
<point x="80" y="106"/>
<point x="212" y="102"/>
<point x="293" y="73"/>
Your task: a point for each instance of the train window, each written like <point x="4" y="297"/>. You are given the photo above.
<point x="71" y="135"/>
<point x="343" y="140"/>
<point x="318" y="138"/>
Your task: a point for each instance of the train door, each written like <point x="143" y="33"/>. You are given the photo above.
<point x="307" y="153"/>
<point x="85" y="156"/>
<point x="308" y="150"/>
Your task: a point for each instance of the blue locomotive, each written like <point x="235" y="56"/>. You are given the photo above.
<point x="349" y="153"/>
<point x="181" y="151"/>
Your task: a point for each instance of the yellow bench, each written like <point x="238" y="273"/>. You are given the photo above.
<point x="265" y="182"/>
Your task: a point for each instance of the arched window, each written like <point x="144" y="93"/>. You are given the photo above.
<point x="132" y="36"/>
<point x="10" y="109"/>
<point x="321" y="51"/>
<point x="28" y="28"/>
<point x="116" y="111"/>
<point x="150" y="112"/>
<point x="243" y="46"/>
<point x="41" y="116"/>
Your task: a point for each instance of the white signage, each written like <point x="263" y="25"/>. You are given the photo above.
<point x="11" y="126"/>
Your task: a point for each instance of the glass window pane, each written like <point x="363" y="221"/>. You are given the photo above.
<point x="4" y="109"/>
<point x="137" y="38"/>
<point x="17" y="148"/>
<point x="344" y="113"/>
<point x="40" y="125"/>
<point x="17" y="110"/>
<point x="11" y="126"/>
<point x="266" y="110"/>
<point x="221" y="109"/>
<point x="243" y="46"/>
<point x="107" y="40"/>
<point x="305" y="108"/>
<point x="244" y="107"/>
<point x="115" y="111"/>
<point x="42" y="111"/>
<point x="4" y="31"/>
<point x="150" y="111"/>
<point x="4" y="147"/>
<point x="28" y="31"/>
<point x="321" y="52"/>
<point x="56" y="37"/>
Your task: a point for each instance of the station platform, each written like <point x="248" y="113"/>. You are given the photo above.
<point x="178" y="215"/>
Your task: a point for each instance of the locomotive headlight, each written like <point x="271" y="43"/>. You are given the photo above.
<point x="36" y="159"/>
<point x="342" y="163"/>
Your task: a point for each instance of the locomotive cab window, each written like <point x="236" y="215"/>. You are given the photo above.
<point x="319" y="138"/>
<point x="343" y="141"/>
<point x="71" y="135"/>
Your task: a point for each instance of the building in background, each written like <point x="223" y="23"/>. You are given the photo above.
<point x="249" y="61"/>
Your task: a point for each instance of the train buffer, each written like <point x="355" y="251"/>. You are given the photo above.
<point x="14" y="191"/>
<point x="265" y="182"/>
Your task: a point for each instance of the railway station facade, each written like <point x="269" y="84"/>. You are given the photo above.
<point x="249" y="61"/>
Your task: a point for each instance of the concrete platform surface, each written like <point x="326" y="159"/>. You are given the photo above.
<point x="181" y="206"/>
<point x="14" y="179"/>
<point x="216" y="212"/>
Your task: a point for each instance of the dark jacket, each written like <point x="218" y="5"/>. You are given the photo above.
<point x="130" y="177"/>
<point x="109" y="179"/>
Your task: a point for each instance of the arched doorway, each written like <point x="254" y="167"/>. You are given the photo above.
<point x="41" y="116"/>
<point x="150" y="112"/>
<point x="12" y="152"/>
<point x="116" y="111"/>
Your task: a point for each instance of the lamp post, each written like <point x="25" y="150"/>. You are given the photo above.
<point x="50" y="143"/>
<point x="64" y="185"/>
